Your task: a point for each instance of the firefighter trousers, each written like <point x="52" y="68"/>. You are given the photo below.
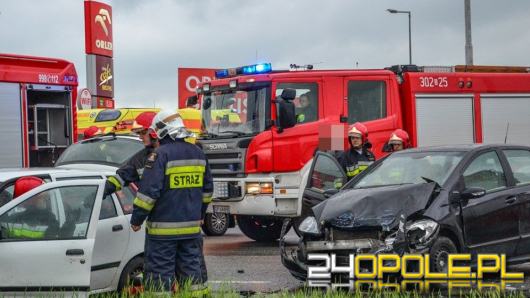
<point x="174" y="261"/>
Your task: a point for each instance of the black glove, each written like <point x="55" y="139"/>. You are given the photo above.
<point x="109" y="189"/>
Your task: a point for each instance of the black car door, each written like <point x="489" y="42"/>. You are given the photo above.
<point x="326" y="174"/>
<point x="491" y="221"/>
<point x="519" y="162"/>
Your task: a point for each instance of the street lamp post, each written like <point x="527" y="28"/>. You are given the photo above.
<point x="410" y="38"/>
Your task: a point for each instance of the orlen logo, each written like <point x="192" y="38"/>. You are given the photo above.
<point x="217" y="146"/>
<point x="102" y="18"/>
<point x="193" y="81"/>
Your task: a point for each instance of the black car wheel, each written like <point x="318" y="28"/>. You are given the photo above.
<point x="132" y="270"/>
<point x="259" y="228"/>
<point x="439" y="253"/>
<point x="215" y="224"/>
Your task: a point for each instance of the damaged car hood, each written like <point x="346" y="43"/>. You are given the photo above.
<point x="374" y="207"/>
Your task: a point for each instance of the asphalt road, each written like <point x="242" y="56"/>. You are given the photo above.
<point x="246" y="266"/>
<point x="235" y="261"/>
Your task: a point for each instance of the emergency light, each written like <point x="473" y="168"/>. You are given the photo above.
<point x="244" y="70"/>
<point x="222" y="73"/>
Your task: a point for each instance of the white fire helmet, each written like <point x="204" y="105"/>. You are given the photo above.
<point x="169" y="123"/>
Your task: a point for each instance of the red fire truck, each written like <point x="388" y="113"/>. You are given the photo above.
<point x="37" y="118"/>
<point x="259" y="166"/>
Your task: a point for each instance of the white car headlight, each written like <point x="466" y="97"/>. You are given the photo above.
<point x="309" y="226"/>
<point x="420" y="232"/>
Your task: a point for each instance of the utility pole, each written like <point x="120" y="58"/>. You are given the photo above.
<point x="390" y="10"/>
<point x="469" y="45"/>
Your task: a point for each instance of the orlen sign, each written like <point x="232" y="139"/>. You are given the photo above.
<point x="189" y="78"/>
<point x="98" y="28"/>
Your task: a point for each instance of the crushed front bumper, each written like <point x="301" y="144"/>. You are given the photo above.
<point x="295" y="258"/>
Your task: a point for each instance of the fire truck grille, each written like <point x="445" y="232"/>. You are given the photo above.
<point x="212" y="156"/>
<point x="228" y="163"/>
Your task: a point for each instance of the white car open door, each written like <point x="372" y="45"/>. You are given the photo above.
<point x="47" y="237"/>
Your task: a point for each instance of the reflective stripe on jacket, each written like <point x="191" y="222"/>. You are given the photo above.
<point x="353" y="162"/>
<point x="26" y="231"/>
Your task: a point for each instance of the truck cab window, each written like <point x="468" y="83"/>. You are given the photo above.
<point x="366" y="100"/>
<point x="236" y="112"/>
<point x="306" y="101"/>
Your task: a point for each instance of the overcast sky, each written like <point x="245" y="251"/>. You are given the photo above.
<point x="152" y="38"/>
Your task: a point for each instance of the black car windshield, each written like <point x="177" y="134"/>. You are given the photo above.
<point x="231" y="113"/>
<point x="112" y="151"/>
<point x="411" y="168"/>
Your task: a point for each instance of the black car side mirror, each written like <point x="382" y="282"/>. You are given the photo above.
<point x="330" y="192"/>
<point x="472" y="193"/>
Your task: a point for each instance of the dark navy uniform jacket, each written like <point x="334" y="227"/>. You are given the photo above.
<point x="174" y="191"/>
<point x="128" y="173"/>
<point x="354" y="163"/>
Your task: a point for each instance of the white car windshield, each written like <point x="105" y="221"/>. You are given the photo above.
<point x="411" y="168"/>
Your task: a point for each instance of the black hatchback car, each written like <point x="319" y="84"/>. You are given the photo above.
<point x="438" y="200"/>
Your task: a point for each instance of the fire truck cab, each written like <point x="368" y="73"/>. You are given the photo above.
<point x="37" y="118"/>
<point x="260" y="168"/>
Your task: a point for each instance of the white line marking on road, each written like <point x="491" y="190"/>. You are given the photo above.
<point x="239" y="281"/>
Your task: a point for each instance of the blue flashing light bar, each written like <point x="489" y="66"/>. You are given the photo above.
<point x="263" y="68"/>
<point x="249" y="69"/>
<point x="222" y="73"/>
<point x="244" y="70"/>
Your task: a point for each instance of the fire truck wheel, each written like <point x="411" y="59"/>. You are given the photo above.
<point x="439" y="252"/>
<point x="259" y="228"/>
<point x="215" y="224"/>
<point x="130" y="276"/>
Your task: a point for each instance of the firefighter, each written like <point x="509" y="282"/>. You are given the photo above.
<point x="91" y="132"/>
<point x="36" y="221"/>
<point x="358" y="157"/>
<point x="399" y="140"/>
<point x="173" y="195"/>
<point x="305" y="113"/>
<point x="192" y="118"/>
<point x="133" y="169"/>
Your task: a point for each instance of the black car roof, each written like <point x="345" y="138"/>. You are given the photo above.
<point x="464" y="148"/>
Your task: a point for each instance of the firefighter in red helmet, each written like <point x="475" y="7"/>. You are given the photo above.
<point x="357" y="158"/>
<point x="36" y="221"/>
<point x="399" y="140"/>
<point x="91" y="132"/>
<point x="133" y="169"/>
<point x="25" y="184"/>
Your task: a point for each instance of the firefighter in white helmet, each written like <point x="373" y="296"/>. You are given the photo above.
<point x="173" y="194"/>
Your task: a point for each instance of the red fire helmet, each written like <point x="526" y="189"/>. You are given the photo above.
<point x="358" y="129"/>
<point x="400" y="136"/>
<point x="25" y="184"/>
<point x="91" y="132"/>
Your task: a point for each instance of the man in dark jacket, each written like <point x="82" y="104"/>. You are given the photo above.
<point x="36" y="222"/>
<point x="357" y="158"/>
<point x="133" y="169"/>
